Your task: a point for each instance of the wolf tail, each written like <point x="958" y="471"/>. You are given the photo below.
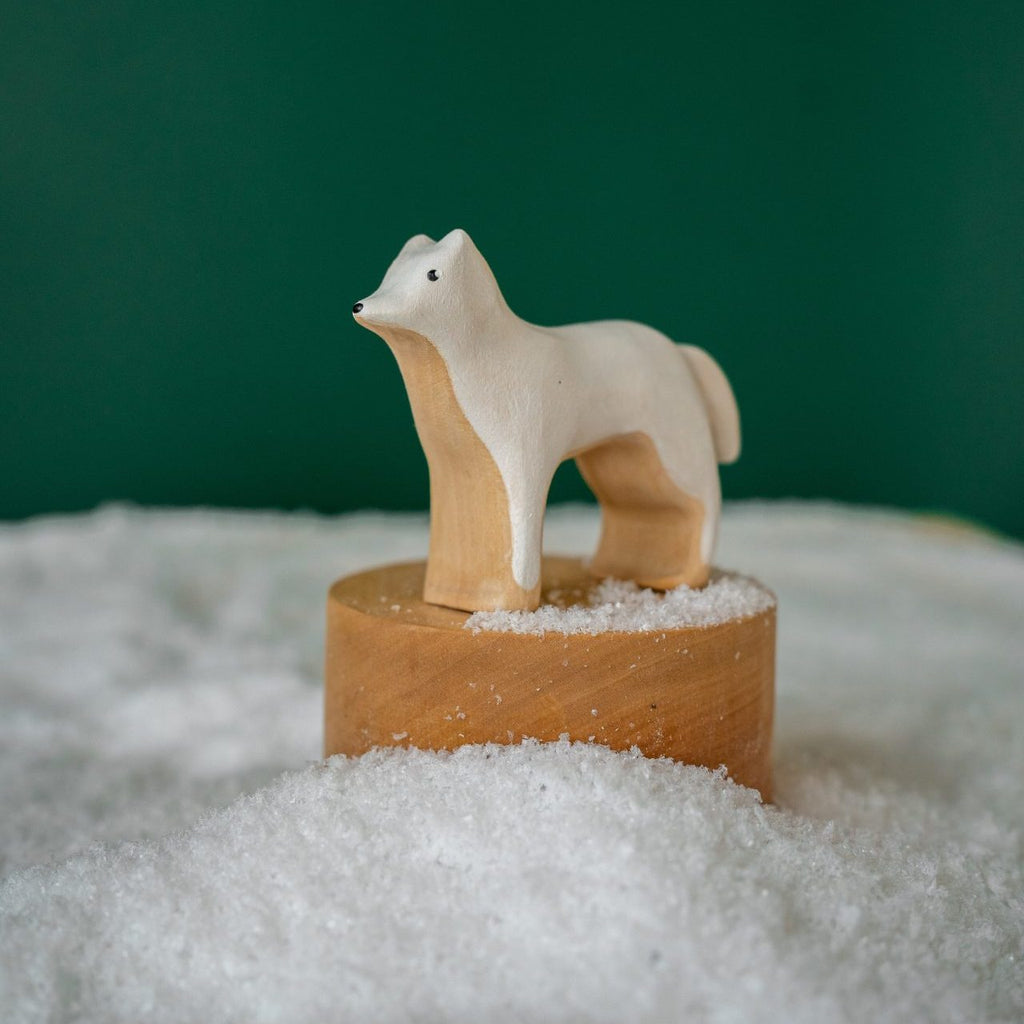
<point x="723" y="414"/>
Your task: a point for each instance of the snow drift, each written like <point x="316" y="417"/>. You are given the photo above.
<point x="173" y="850"/>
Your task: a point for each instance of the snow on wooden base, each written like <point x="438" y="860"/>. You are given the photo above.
<point x="701" y="694"/>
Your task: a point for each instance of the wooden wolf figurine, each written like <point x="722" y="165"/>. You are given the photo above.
<point x="499" y="403"/>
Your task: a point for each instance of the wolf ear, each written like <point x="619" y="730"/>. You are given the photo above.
<point x="456" y="239"/>
<point x="416" y="243"/>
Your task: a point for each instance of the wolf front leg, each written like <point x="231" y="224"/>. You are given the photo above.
<point x="487" y="525"/>
<point x="469" y="565"/>
<point x="472" y="538"/>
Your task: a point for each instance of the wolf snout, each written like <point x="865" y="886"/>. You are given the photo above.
<point x="357" y="308"/>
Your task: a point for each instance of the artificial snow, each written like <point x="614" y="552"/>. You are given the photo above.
<point x="172" y="849"/>
<point x="620" y="606"/>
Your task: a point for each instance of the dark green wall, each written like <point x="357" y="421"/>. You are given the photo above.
<point x="829" y="197"/>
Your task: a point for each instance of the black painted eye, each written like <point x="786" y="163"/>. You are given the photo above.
<point x="431" y="275"/>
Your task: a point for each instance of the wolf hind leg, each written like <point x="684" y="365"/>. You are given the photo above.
<point x="651" y="530"/>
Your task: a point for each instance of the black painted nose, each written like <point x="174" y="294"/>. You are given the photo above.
<point x="357" y="308"/>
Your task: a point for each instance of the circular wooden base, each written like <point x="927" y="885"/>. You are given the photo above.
<point x="401" y="672"/>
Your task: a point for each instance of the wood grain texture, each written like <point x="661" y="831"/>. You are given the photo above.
<point x="403" y="672"/>
<point x="650" y="529"/>
<point x="470" y="560"/>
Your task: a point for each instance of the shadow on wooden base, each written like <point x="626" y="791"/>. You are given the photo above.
<point x="401" y="672"/>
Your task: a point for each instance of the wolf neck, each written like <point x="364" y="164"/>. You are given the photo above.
<point x="428" y="383"/>
<point x="478" y="335"/>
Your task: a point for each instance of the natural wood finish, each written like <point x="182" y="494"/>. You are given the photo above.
<point x="650" y="529"/>
<point x="404" y="672"/>
<point x="470" y="559"/>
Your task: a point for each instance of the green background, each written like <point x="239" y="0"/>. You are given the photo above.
<point x="828" y="197"/>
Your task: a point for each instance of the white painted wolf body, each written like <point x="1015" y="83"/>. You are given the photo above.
<point x="499" y="403"/>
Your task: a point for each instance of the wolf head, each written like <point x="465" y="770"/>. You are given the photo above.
<point x="442" y="290"/>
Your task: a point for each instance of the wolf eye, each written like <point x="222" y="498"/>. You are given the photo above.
<point x="431" y="275"/>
